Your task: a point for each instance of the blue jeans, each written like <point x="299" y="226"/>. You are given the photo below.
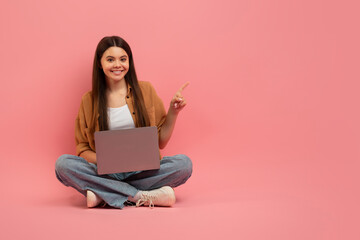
<point x="115" y="189"/>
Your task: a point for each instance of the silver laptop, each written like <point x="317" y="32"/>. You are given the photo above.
<point x="127" y="150"/>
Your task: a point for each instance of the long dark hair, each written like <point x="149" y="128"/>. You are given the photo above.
<point x="99" y="86"/>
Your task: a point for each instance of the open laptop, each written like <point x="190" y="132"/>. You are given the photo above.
<point x="127" y="150"/>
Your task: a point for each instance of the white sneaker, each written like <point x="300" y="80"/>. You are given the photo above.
<point x="92" y="200"/>
<point x="164" y="197"/>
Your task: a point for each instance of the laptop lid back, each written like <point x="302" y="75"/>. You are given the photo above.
<point x="127" y="150"/>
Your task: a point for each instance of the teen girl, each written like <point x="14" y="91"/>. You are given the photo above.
<point x="118" y="100"/>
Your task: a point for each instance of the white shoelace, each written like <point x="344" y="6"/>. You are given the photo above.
<point x="146" y="198"/>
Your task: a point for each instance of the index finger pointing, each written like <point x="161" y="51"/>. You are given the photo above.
<point x="184" y="86"/>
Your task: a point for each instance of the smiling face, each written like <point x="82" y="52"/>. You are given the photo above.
<point x="115" y="64"/>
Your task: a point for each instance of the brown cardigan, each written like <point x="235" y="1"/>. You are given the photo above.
<point x="84" y="139"/>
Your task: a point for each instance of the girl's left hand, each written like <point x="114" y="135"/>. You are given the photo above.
<point x="178" y="102"/>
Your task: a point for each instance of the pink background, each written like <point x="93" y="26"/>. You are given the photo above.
<point x="272" y="124"/>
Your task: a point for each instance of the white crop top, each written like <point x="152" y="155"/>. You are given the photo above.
<point x="120" y="118"/>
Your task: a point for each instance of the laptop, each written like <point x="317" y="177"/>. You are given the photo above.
<point x="127" y="150"/>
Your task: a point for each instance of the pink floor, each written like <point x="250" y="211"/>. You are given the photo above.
<point x="278" y="200"/>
